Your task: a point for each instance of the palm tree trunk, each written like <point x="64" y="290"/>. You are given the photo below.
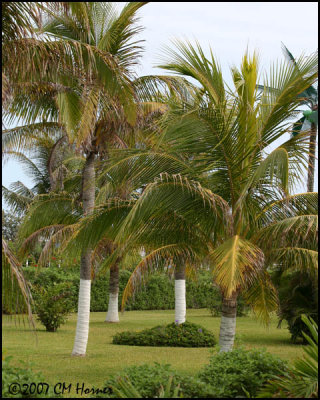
<point x="228" y="323"/>
<point x="88" y="197"/>
<point x="180" y="294"/>
<point x="113" y="315"/>
<point x="312" y="157"/>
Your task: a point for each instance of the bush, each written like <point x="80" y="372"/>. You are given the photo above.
<point x="301" y="381"/>
<point x="240" y="372"/>
<point x="52" y="305"/>
<point x="298" y="294"/>
<point x="172" y="335"/>
<point x="23" y="376"/>
<point x="148" y="380"/>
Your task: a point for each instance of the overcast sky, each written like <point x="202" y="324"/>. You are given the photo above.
<point x="228" y="28"/>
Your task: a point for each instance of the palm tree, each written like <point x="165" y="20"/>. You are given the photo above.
<point x="87" y="104"/>
<point x="240" y="215"/>
<point x="42" y="161"/>
<point x="308" y="97"/>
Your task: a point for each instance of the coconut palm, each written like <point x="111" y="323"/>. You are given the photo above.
<point x="240" y="216"/>
<point x="41" y="160"/>
<point x="309" y="98"/>
<point x="87" y="104"/>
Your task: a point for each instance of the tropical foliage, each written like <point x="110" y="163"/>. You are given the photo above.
<point x="301" y="381"/>
<point x="241" y="372"/>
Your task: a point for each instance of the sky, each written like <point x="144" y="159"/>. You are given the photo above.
<point x="229" y="28"/>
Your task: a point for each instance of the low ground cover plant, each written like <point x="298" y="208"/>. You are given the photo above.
<point x="241" y="372"/>
<point x="174" y="335"/>
<point x="149" y="381"/>
<point x="23" y="375"/>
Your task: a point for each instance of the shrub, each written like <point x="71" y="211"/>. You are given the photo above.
<point x="23" y="375"/>
<point x="52" y="305"/>
<point x="240" y="372"/>
<point x="172" y="335"/>
<point x="301" y="381"/>
<point x="298" y="294"/>
<point x="148" y="380"/>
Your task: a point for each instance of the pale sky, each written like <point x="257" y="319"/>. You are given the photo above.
<point x="228" y="28"/>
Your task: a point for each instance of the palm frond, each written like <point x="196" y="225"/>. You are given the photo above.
<point x="235" y="264"/>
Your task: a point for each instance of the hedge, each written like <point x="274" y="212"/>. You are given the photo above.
<point x="156" y="294"/>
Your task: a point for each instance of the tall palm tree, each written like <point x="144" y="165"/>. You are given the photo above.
<point x="86" y="104"/>
<point x="308" y="97"/>
<point x="240" y="215"/>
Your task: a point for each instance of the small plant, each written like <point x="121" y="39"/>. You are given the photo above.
<point x="301" y="381"/>
<point x="23" y="375"/>
<point x="183" y="335"/>
<point x="52" y="305"/>
<point x="240" y="372"/>
<point x="155" y="381"/>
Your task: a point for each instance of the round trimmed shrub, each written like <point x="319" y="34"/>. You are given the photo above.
<point x="241" y="372"/>
<point x="172" y="335"/>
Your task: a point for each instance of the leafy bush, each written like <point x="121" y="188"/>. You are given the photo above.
<point x="240" y="372"/>
<point x="148" y="380"/>
<point x="52" y="305"/>
<point x="174" y="335"/>
<point x="301" y="381"/>
<point x="298" y="294"/>
<point x="23" y="375"/>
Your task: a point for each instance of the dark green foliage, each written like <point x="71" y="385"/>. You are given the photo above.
<point x="156" y="294"/>
<point x="53" y="304"/>
<point x="240" y="372"/>
<point x="48" y="277"/>
<point x="174" y="335"/>
<point x="298" y="294"/>
<point x="215" y="304"/>
<point x="148" y="380"/>
<point x="301" y="380"/>
<point x="23" y="376"/>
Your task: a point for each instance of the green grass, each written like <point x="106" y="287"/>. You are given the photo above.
<point x="52" y="354"/>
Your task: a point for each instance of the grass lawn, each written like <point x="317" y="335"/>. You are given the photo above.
<point x="52" y="354"/>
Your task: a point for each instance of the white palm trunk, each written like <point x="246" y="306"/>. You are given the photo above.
<point x="82" y="332"/>
<point x="227" y="333"/>
<point x="113" y="314"/>
<point x="180" y="300"/>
